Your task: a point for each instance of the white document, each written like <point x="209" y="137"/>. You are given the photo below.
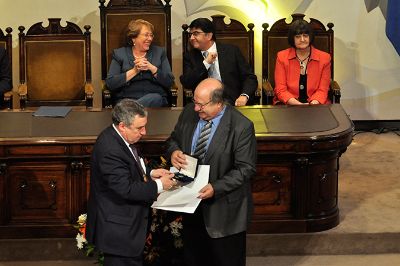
<point x="184" y="199"/>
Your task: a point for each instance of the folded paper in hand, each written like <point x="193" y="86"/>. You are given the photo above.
<point x="185" y="198"/>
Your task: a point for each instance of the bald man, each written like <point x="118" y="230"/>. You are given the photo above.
<point x="216" y="233"/>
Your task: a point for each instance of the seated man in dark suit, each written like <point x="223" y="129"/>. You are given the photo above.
<point x="217" y="60"/>
<point x="5" y="74"/>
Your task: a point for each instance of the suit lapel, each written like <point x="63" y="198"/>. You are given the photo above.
<point x="129" y="55"/>
<point x="187" y="148"/>
<point x="221" y="60"/>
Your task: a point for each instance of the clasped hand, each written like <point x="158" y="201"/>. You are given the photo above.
<point x="211" y="57"/>
<point x="165" y="176"/>
<point x="142" y="64"/>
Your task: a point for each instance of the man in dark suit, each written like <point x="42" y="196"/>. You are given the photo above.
<point x="121" y="188"/>
<point x="5" y="74"/>
<point x="216" y="233"/>
<point x="217" y="60"/>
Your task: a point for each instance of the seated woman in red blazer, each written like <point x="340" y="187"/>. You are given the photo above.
<point x="302" y="72"/>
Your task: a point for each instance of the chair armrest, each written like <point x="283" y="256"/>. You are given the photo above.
<point x="8" y="100"/>
<point x="89" y="92"/>
<point x="174" y="95"/>
<point x="257" y="97"/>
<point x="89" y="89"/>
<point x="187" y="96"/>
<point x="22" y="89"/>
<point x="22" y="92"/>
<point x="335" y="92"/>
<point x="268" y="92"/>
<point x="106" y="96"/>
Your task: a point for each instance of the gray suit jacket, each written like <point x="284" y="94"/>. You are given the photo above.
<point x="232" y="159"/>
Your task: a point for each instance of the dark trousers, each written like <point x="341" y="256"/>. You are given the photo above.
<point x="200" y="249"/>
<point x="114" y="260"/>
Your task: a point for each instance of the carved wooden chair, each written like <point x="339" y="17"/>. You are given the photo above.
<point x="275" y="39"/>
<point x="6" y="43"/>
<point x="114" y="19"/>
<point x="234" y="33"/>
<point x="55" y="67"/>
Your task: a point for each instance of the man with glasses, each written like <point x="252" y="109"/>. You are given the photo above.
<point x="216" y="233"/>
<point x="224" y="62"/>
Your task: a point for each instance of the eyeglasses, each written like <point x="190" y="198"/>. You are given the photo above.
<point x="195" y="33"/>
<point x="200" y="105"/>
<point x="147" y="35"/>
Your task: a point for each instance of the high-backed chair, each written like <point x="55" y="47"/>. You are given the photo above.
<point x="6" y="43"/>
<point x="233" y="33"/>
<point x="275" y="39"/>
<point x="55" y="67"/>
<point x="114" y="19"/>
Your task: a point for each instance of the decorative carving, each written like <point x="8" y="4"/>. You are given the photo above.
<point x="54" y="27"/>
<point x="302" y="162"/>
<point x="27" y="189"/>
<point x="76" y="166"/>
<point x="136" y="3"/>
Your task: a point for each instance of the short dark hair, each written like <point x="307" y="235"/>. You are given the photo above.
<point x="300" y="26"/>
<point x="126" y="110"/>
<point x="205" y="25"/>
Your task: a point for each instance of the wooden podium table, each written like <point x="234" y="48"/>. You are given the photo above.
<point x="45" y="165"/>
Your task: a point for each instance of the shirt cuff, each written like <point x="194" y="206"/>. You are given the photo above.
<point x="244" y="94"/>
<point x="159" y="186"/>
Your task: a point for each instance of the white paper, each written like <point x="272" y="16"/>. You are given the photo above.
<point x="184" y="199"/>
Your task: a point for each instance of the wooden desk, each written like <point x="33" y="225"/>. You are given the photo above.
<point x="45" y="163"/>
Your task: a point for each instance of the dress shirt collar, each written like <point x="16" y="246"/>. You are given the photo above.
<point x="213" y="48"/>
<point x="126" y="143"/>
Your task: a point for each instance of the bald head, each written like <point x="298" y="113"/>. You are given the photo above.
<point x="210" y="88"/>
<point x="208" y="98"/>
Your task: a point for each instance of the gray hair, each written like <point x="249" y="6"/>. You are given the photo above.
<point x="126" y="110"/>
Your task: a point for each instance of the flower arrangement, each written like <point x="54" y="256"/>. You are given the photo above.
<point x="83" y="244"/>
<point x="163" y="244"/>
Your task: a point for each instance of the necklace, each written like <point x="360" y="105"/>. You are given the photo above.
<point x="303" y="62"/>
<point x="138" y="57"/>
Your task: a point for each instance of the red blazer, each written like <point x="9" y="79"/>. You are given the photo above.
<point x="287" y="76"/>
